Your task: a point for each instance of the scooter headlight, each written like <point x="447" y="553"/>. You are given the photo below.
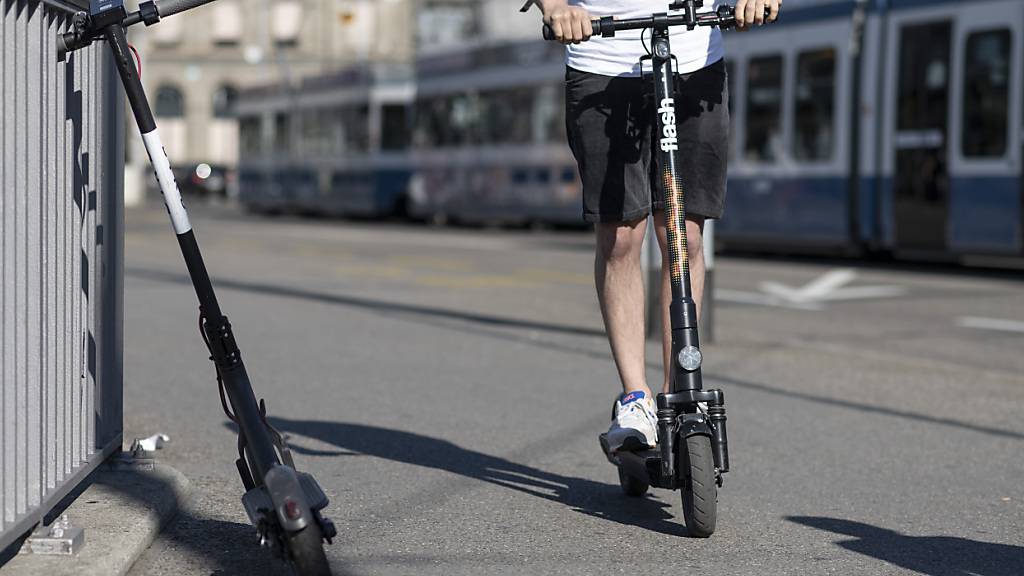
<point x="690" y="358"/>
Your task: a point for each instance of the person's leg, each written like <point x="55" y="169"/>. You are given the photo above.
<point x="620" y="292"/>
<point x="695" y="251"/>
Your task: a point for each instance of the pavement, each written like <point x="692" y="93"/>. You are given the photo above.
<point x="447" y="386"/>
<point x="125" y="504"/>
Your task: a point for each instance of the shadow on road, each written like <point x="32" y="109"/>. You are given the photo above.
<point x="380" y="306"/>
<point x="931" y="555"/>
<point x="595" y="499"/>
<point x="489" y="326"/>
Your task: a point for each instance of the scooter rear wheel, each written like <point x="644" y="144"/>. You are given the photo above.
<point x="700" y="491"/>
<point x="632" y="486"/>
<point x="307" y="552"/>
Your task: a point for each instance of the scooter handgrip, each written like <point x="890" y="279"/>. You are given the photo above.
<point x="168" y="7"/>
<point x="549" y="33"/>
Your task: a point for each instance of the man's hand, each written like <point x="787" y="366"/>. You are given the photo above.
<point x="571" y="24"/>
<point x="751" y="13"/>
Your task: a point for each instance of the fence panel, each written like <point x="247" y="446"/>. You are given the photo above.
<point x="61" y="261"/>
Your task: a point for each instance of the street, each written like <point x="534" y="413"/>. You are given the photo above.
<point x="446" y="387"/>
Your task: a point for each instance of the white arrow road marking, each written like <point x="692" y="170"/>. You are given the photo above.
<point x="990" y="324"/>
<point x="829" y="287"/>
<point x="740" y="297"/>
<point x="864" y="293"/>
<point x="814" y="290"/>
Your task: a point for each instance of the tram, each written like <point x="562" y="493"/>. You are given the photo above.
<point x="869" y="126"/>
<point x="335" y="145"/>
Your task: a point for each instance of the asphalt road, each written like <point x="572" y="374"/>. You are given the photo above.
<point x="447" y="387"/>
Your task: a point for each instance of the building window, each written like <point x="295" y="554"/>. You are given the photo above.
<point x="764" y="109"/>
<point x="224" y="101"/>
<point x="814" y="134"/>
<point x="986" y="94"/>
<point x="287" y="23"/>
<point x="169" y="102"/>
<point x="226" y="23"/>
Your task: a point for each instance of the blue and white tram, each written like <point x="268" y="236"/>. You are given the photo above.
<point x="489" y="138"/>
<point x="337" y="145"/>
<point x="912" y="148"/>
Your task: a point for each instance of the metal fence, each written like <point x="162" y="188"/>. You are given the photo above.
<point x="61" y="172"/>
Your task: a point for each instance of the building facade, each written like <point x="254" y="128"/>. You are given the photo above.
<point x="194" y="63"/>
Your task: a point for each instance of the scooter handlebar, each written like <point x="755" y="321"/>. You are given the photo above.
<point x="724" y="17"/>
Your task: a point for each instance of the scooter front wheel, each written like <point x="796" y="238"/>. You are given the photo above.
<point x="700" y="491"/>
<point x="307" y="552"/>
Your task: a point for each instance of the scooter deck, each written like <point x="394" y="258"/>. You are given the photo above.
<point x="643" y="465"/>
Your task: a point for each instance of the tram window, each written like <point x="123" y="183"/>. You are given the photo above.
<point x="764" y="109"/>
<point x="814" y="137"/>
<point x="446" y="121"/>
<point x="318" y="131"/>
<point x="568" y="175"/>
<point x="545" y="114"/>
<point x="282" y="133"/>
<point x="986" y="94"/>
<point x="431" y="122"/>
<point x="394" y="128"/>
<point x="355" y="127"/>
<point x="464" y="119"/>
<point x="249" y="136"/>
<point x="520" y="176"/>
<point x="508" y="115"/>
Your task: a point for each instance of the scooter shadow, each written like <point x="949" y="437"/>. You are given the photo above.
<point x="931" y="555"/>
<point x="588" y="497"/>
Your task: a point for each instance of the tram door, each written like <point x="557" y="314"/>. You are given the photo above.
<point x="921" y="185"/>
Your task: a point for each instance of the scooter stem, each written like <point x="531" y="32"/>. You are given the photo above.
<point x="217" y="329"/>
<point x="683" y="310"/>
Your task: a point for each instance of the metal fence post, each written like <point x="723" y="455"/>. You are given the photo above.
<point x="707" y="329"/>
<point x="61" y="226"/>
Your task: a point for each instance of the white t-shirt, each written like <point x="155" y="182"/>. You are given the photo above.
<point x="620" y="56"/>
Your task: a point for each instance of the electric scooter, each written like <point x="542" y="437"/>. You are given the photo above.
<point x="693" y="449"/>
<point x="283" y="504"/>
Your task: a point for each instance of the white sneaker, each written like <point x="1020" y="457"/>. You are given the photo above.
<point x="634" y="423"/>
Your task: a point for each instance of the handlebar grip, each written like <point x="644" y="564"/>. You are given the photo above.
<point x="169" y="7"/>
<point x="549" y="33"/>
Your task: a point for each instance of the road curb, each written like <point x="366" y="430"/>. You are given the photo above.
<point x="122" y="511"/>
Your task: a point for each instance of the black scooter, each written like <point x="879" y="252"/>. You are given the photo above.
<point x="283" y="504"/>
<point x="693" y="449"/>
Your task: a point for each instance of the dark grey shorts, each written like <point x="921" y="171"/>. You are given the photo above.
<point x="609" y="121"/>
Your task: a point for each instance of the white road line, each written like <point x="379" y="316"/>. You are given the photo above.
<point x="990" y="324"/>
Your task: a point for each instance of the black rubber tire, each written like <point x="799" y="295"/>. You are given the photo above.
<point x="632" y="486"/>
<point x="699" y="488"/>
<point x="307" y="552"/>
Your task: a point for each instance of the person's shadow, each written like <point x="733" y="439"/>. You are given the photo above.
<point x="931" y="555"/>
<point x="586" y="496"/>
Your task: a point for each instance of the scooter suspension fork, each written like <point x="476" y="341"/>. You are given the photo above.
<point x="666" y="440"/>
